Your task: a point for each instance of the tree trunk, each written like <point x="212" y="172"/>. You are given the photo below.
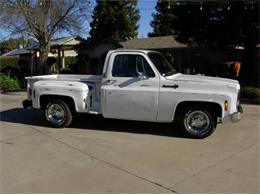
<point x="43" y="67"/>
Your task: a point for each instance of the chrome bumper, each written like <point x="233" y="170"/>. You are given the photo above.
<point x="237" y="116"/>
<point x="234" y="117"/>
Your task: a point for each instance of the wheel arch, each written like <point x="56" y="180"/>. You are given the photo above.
<point x="212" y="107"/>
<point x="46" y="98"/>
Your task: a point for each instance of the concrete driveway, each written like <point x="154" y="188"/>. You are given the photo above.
<point x="98" y="155"/>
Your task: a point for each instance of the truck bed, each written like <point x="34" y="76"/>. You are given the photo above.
<point x="91" y="80"/>
<point x="67" y="77"/>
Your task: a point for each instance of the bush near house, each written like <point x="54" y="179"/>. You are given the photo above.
<point x="70" y="60"/>
<point x="8" y="62"/>
<point x="250" y="93"/>
<point x="8" y="83"/>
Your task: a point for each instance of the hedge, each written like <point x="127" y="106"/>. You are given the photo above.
<point x="70" y="60"/>
<point x="8" y="61"/>
<point x="250" y="93"/>
<point x="9" y="84"/>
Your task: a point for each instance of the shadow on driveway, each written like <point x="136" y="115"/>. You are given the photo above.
<point x="93" y="122"/>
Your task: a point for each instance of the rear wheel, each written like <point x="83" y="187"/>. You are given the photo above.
<point x="198" y="122"/>
<point x="58" y="113"/>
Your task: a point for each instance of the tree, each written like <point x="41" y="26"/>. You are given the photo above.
<point x="164" y="19"/>
<point x="200" y="23"/>
<point x="115" y="19"/>
<point x="14" y="43"/>
<point x="216" y="24"/>
<point x="41" y="19"/>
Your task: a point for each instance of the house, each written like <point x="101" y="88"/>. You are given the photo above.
<point x="60" y="48"/>
<point x="186" y="59"/>
<point x="209" y="61"/>
<point x="92" y="53"/>
<point x="168" y="45"/>
<point x="189" y="60"/>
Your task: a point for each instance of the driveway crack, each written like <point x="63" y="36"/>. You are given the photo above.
<point x="108" y="163"/>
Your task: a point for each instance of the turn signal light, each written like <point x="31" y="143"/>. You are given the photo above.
<point x="226" y="105"/>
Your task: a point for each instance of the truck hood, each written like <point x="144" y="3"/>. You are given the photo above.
<point x="204" y="79"/>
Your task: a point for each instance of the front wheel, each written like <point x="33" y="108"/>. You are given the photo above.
<point x="198" y="122"/>
<point x="58" y="114"/>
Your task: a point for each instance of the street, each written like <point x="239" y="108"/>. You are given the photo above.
<point x="97" y="155"/>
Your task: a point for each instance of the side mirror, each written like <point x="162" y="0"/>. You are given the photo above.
<point x="142" y="76"/>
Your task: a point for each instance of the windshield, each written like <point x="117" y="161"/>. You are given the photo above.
<point x="162" y="65"/>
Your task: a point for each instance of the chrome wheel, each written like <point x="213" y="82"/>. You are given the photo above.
<point x="55" y="113"/>
<point x="197" y="122"/>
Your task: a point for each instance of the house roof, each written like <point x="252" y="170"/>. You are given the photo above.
<point x="16" y="52"/>
<point x="163" y="42"/>
<point x="64" y="41"/>
<point x="91" y="44"/>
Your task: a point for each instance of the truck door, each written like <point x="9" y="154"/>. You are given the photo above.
<point x="130" y="89"/>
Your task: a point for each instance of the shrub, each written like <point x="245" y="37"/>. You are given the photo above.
<point x="250" y="93"/>
<point x="8" y="62"/>
<point x="70" y="60"/>
<point x="9" y="84"/>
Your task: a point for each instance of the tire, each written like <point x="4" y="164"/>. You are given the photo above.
<point x="198" y="122"/>
<point x="58" y="113"/>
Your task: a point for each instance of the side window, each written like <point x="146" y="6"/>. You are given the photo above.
<point x="143" y="66"/>
<point x="127" y="65"/>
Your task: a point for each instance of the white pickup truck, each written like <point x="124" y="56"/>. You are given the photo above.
<point x="138" y="85"/>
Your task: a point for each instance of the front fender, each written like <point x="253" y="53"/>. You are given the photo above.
<point x="169" y="102"/>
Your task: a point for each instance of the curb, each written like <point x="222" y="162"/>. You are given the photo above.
<point x="6" y="92"/>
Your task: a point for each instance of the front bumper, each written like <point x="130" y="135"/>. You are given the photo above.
<point x="237" y="116"/>
<point x="234" y="117"/>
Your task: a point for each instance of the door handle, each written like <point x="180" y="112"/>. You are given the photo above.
<point x="171" y="86"/>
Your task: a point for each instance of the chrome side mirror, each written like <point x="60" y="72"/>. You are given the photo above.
<point x="142" y="76"/>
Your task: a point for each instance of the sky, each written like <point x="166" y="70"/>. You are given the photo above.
<point x="146" y="8"/>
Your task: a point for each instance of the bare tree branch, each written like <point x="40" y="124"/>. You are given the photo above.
<point x="41" y="19"/>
